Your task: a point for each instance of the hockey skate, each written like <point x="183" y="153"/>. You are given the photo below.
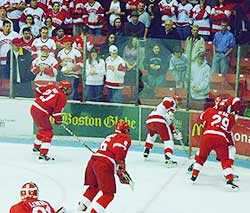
<point x="190" y="168"/>
<point x="45" y="158"/>
<point x="81" y="207"/>
<point x="146" y="152"/>
<point x="36" y="151"/>
<point x="170" y="162"/>
<point x="230" y="185"/>
<point x="193" y="178"/>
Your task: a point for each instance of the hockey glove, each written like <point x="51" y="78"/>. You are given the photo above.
<point x="121" y="172"/>
<point x="124" y="177"/>
<point x="58" y="120"/>
<point x="177" y="136"/>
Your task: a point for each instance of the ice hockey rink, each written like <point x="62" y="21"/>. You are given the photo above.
<point x="157" y="189"/>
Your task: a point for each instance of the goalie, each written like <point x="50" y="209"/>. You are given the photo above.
<point x="99" y="174"/>
<point x="160" y="122"/>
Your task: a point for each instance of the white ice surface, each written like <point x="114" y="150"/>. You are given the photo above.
<point x="158" y="189"/>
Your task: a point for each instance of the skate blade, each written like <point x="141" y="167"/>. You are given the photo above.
<point x="170" y="165"/>
<point x="232" y="189"/>
<point x="42" y="161"/>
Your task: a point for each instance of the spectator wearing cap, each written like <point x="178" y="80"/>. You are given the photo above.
<point x="3" y="16"/>
<point x="45" y="67"/>
<point x="223" y="44"/>
<point x="95" y="73"/>
<point x="200" y="79"/>
<point x="14" y="12"/>
<point x="194" y="43"/>
<point x="6" y="36"/>
<point x="135" y="27"/>
<point x="21" y="62"/>
<point x="71" y="63"/>
<point x="27" y="39"/>
<point x="41" y="41"/>
<point x="115" y="73"/>
<point x="93" y="14"/>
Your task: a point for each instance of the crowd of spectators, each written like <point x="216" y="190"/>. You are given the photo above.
<point x="50" y="36"/>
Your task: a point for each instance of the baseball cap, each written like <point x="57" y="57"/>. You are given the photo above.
<point x="44" y="48"/>
<point x="113" y="49"/>
<point x="135" y="13"/>
<point x="17" y="42"/>
<point x="68" y="39"/>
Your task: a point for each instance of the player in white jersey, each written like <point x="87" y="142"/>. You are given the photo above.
<point x="160" y="122"/>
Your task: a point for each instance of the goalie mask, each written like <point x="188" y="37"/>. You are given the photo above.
<point x="122" y="127"/>
<point x="65" y="86"/>
<point x="29" y="190"/>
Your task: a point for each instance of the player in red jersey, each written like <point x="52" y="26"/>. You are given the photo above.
<point x="30" y="203"/>
<point x="216" y="135"/>
<point x="50" y="101"/>
<point x="99" y="174"/>
<point x="160" y="122"/>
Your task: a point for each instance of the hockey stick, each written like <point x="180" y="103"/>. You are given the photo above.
<point x="61" y="208"/>
<point x="129" y="179"/>
<point x="77" y="138"/>
<point x="183" y="145"/>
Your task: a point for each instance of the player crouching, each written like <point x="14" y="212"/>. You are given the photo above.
<point x="216" y="135"/>
<point x="160" y="122"/>
<point x="99" y="174"/>
<point x="50" y="101"/>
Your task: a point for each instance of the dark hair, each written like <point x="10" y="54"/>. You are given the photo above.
<point x="94" y="50"/>
<point x="30" y="16"/>
<point x="6" y="22"/>
<point x="218" y="3"/>
<point x="26" y="29"/>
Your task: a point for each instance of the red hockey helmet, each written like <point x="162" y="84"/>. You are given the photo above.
<point x="65" y="86"/>
<point x="122" y="126"/>
<point x="29" y="190"/>
<point x="217" y="101"/>
<point x="222" y="105"/>
<point x="177" y="99"/>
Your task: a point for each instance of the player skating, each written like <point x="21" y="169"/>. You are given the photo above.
<point x="216" y="135"/>
<point x="50" y="101"/>
<point x="99" y="175"/>
<point x="160" y="122"/>
<point x="30" y="203"/>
